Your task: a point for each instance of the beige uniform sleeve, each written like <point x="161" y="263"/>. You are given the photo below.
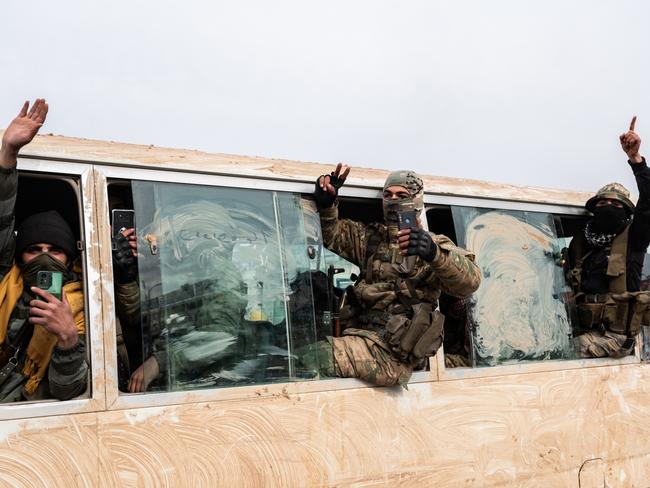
<point x="455" y="268"/>
<point x="344" y="237"/>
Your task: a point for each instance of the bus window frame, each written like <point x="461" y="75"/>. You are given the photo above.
<point x="450" y="374"/>
<point x="437" y="372"/>
<point x="96" y="400"/>
<point x="117" y="400"/>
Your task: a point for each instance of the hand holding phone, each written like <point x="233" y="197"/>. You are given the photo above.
<point x="51" y="310"/>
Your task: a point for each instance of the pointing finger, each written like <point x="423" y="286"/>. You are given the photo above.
<point x="633" y="123"/>
<point x="338" y="169"/>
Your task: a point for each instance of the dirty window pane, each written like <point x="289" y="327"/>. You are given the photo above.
<point x="224" y="283"/>
<point x="519" y="312"/>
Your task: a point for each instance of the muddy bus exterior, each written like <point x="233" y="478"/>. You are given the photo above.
<point x="525" y="412"/>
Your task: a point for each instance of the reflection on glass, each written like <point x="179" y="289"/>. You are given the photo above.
<point x="218" y="270"/>
<point x="519" y="311"/>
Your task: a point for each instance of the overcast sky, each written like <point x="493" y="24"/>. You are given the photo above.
<point x="514" y="91"/>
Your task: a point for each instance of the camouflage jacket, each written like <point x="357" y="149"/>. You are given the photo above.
<point x="387" y="286"/>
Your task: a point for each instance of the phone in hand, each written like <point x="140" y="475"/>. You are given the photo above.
<point x="50" y="281"/>
<point x="122" y="219"/>
<point x="406" y="219"/>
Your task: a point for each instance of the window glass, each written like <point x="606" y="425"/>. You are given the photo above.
<point x="346" y="272"/>
<point x="519" y="312"/>
<point x="225" y="288"/>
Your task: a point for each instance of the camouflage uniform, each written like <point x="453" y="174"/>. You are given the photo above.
<point x="606" y="276"/>
<point x="382" y="341"/>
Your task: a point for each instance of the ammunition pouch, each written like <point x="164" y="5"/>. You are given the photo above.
<point x="621" y="313"/>
<point x="413" y="339"/>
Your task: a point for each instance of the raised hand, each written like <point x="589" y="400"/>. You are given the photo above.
<point x="21" y="131"/>
<point x="631" y="143"/>
<point x="327" y="186"/>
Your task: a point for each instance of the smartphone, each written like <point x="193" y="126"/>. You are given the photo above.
<point x="50" y="281"/>
<point x="122" y="219"/>
<point x="406" y="219"/>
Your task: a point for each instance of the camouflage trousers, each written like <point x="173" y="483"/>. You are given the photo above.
<point x="362" y="354"/>
<point x="594" y="344"/>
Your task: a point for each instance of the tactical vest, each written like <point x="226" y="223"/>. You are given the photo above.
<point x="393" y="302"/>
<point x="618" y="310"/>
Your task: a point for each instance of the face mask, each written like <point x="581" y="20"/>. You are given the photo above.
<point x="391" y="209"/>
<point x="609" y="218"/>
<point x="43" y="262"/>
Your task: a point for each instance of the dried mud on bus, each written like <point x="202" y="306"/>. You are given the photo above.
<point x="505" y="401"/>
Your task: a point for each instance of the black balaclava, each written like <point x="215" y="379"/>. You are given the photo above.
<point x="609" y="219"/>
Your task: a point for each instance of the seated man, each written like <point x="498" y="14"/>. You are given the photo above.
<point x="605" y="262"/>
<point x="195" y="322"/>
<point x="42" y="347"/>
<point x="393" y="326"/>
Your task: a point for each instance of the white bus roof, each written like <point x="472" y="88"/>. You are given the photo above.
<point x="153" y="157"/>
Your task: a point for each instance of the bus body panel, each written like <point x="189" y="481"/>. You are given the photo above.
<point x="549" y="423"/>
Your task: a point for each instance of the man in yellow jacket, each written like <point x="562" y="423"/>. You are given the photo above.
<point x="42" y="346"/>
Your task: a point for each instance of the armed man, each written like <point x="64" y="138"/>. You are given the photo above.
<point x="391" y="325"/>
<point x="605" y="262"/>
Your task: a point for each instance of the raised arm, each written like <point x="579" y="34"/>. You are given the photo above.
<point x="21" y="131"/>
<point x="631" y="143"/>
<point x="342" y="236"/>
<point x="640" y="231"/>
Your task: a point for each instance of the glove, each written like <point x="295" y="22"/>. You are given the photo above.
<point x="324" y="198"/>
<point x="124" y="262"/>
<point x="421" y="244"/>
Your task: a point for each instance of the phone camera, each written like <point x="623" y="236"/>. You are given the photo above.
<point x="44" y="281"/>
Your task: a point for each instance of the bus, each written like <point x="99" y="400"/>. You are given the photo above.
<point x="504" y="403"/>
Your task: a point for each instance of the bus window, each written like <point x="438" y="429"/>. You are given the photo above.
<point x="519" y="313"/>
<point x="224" y="293"/>
<point x="43" y="370"/>
<point x="457" y="328"/>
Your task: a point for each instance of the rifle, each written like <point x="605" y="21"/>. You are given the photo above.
<point x="334" y="315"/>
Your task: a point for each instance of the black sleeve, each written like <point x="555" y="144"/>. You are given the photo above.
<point x="8" y="190"/>
<point x="640" y="229"/>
